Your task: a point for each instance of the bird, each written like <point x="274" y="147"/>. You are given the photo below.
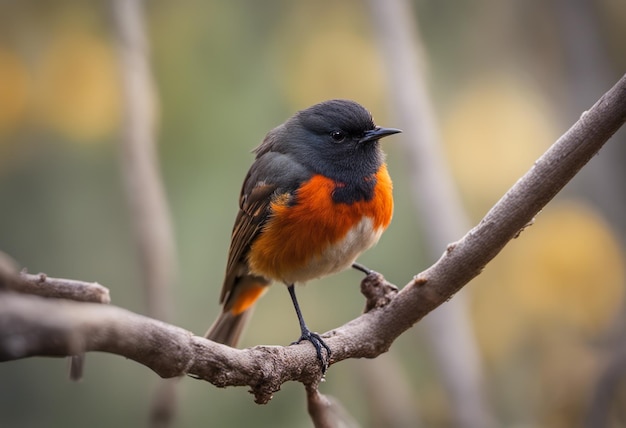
<point x="317" y="195"/>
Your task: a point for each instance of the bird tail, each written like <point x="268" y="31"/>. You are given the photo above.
<point x="238" y="305"/>
<point x="228" y="327"/>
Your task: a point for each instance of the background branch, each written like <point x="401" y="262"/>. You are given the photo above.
<point x="439" y="210"/>
<point x="32" y="326"/>
<point x="145" y="193"/>
<point x="44" y="286"/>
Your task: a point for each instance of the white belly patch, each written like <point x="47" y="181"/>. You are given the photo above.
<point x="341" y="255"/>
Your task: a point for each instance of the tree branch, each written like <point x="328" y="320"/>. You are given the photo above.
<point x="31" y="326"/>
<point x="145" y="193"/>
<point x="59" y="288"/>
<point x="326" y="412"/>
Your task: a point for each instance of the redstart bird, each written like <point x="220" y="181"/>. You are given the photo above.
<point x="317" y="195"/>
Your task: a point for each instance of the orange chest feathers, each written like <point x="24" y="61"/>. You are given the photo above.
<point x="317" y="236"/>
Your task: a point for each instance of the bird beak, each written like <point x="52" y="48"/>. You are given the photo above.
<point x="378" y="133"/>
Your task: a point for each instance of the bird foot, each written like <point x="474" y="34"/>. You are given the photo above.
<point x="318" y="344"/>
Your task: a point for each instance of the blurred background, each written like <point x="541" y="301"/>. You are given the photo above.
<point x="506" y="77"/>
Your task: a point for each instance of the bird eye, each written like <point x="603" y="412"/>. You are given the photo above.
<point x="338" y="136"/>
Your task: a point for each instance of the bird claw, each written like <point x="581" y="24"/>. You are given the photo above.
<point x="318" y="344"/>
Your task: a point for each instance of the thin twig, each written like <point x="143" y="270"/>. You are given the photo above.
<point x="45" y="286"/>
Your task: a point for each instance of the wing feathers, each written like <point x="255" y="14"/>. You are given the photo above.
<point x="273" y="175"/>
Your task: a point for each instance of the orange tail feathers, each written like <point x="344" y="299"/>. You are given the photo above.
<point x="239" y="305"/>
<point x="228" y="327"/>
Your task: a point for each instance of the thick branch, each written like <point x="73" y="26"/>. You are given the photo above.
<point x="32" y="326"/>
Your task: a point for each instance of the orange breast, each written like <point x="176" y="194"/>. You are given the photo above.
<point x="296" y="235"/>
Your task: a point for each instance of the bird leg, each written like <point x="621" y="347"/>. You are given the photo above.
<point x="307" y="334"/>
<point x="362" y="268"/>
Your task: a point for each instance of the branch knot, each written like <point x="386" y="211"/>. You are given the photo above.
<point x="377" y="291"/>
